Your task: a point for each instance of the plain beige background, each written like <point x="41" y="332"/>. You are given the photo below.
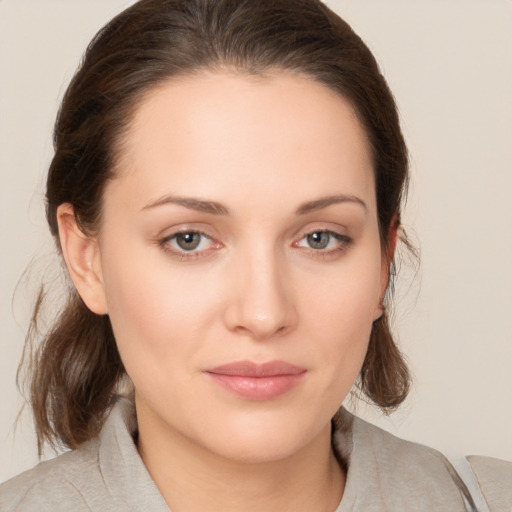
<point x="450" y="67"/>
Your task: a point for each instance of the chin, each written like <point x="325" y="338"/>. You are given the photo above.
<point x="253" y="439"/>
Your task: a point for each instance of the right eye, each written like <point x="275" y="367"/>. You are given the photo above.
<point x="187" y="244"/>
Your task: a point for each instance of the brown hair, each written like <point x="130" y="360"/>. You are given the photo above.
<point x="76" y="369"/>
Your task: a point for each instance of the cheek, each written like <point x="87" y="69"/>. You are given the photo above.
<point x="338" y="314"/>
<point x="344" y="300"/>
<point x="158" y="314"/>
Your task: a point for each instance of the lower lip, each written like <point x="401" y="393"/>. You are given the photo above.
<point x="258" y="388"/>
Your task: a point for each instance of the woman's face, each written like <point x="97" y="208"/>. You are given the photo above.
<point x="241" y="262"/>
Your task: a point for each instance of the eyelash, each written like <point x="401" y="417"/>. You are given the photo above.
<point x="343" y="243"/>
<point x="183" y="254"/>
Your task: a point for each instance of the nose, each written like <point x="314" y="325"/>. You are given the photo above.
<point x="262" y="305"/>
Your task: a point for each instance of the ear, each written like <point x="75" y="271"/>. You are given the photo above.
<point x="82" y="256"/>
<point x="387" y="257"/>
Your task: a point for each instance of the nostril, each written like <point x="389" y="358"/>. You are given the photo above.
<point x="260" y="307"/>
<point x="259" y="332"/>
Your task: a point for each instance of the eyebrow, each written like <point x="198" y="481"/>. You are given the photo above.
<point x="192" y="203"/>
<point x="215" y="208"/>
<point x="324" y="202"/>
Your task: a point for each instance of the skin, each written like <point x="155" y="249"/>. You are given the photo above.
<point x="264" y="149"/>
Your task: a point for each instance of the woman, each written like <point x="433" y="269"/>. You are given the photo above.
<point x="226" y="194"/>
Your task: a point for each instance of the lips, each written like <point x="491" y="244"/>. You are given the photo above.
<point x="255" y="381"/>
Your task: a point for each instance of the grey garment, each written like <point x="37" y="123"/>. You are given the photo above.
<point x="495" y="479"/>
<point x="387" y="474"/>
<point x="107" y="474"/>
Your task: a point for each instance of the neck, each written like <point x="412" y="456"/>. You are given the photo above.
<point x="191" y="477"/>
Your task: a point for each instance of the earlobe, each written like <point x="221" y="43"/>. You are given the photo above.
<point x="82" y="256"/>
<point x="388" y="254"/>
<point x="379" y="310"/>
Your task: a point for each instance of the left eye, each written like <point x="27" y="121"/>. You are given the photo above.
<point x="322" y="240"/>
<point x="189" y="241"/>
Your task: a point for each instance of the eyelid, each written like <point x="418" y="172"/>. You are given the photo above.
<point x="163" y="243"/>
<point x="321" y="227"/>
<point x="344" y="242"/>
<point x="332" y="232"/>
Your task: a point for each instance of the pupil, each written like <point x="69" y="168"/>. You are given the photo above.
<point x="318" y="240"/>
<point x="188" y="241"/>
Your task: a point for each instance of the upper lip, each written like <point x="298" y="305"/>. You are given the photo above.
<point x="253" y="369"/>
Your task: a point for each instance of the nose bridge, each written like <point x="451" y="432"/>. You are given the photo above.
<point x="263" y="304"/>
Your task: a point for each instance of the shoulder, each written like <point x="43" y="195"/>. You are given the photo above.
<point x="105" y="473"/>
<point x="400" y="454"/>
<point x="58" y="484"/>
<point x="494" y="477"/>
<point x="388" y="473"/>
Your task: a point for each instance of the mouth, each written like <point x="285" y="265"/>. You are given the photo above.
<point x="257" y="381"/>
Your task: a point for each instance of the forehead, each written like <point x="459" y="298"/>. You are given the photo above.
<point x="245" y="133"/>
